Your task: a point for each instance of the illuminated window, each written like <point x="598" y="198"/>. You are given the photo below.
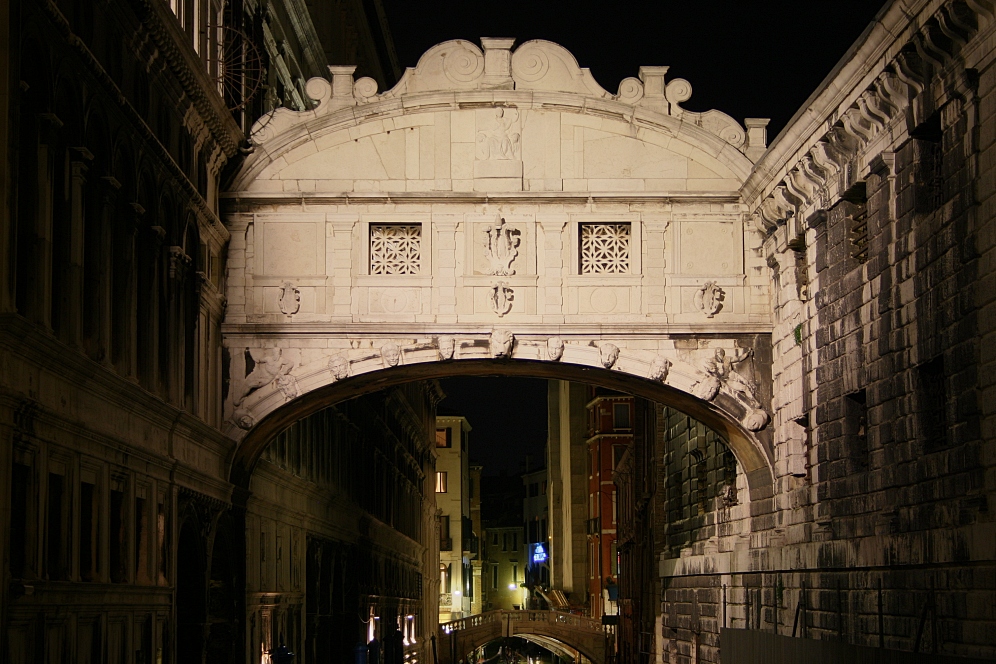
<point x="441" y="481"/>
<point x="444" y="437"/>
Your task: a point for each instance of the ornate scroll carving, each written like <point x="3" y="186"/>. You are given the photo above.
<point x="709" y="299"/>
<point x="554" y="348"/>
<point x="501" y="298"/>
<point x="502" y="248"/>
<point x="608" y="354"/>
<point x="290" y="299"/>
<point x="501" y="343"/>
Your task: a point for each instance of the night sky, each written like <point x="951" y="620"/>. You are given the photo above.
<point x="748" y="58"/>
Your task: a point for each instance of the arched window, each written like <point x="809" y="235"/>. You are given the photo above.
<point x="444" y="578"/>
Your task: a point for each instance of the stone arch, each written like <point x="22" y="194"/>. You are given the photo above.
<point x="752" y="449"/>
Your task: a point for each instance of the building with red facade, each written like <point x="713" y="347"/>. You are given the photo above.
<point x="610" y="431"/>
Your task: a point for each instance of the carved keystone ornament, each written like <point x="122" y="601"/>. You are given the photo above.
<point x="501" y="343"/>
<point x="501" y="298"/>
<point x="709" y="299"/>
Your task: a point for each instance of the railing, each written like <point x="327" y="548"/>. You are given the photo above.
<point x="552" y="617"/>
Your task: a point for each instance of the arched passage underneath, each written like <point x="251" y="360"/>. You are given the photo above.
<point x="753" y="450"/>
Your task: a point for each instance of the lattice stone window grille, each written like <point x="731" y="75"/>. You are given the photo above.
<point x="605" y="248"/>
<point x="395" y="248"/>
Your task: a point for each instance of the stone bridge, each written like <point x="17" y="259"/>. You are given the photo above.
<point x="563" y="633"/>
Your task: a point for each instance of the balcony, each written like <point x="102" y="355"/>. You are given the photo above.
<point x="593" y="526"/>
<point x="445" y="543"/>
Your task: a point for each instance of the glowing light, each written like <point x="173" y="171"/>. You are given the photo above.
<point x="512" y="586"/>
<point x="456" y="592"/>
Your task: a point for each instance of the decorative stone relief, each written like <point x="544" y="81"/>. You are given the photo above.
<point x="391" y="354"/>
<point x="446" y="346"/>
<point x="268" y="364"/>
<point x="290" y="299"/>
<point x="709" y="299"/>
<point x="717" y="370"/>
<point x="501" y="343"/>
<point x="501" y="298"/>
<point x="554" y="348"/>
<point x="608" y="354"/>
<point x="659" y="369"/>
<point x="339" y="366"/>
<point x="502" y="248"/>
<point x="287" y="385"/>
<point x="502" y="139"/>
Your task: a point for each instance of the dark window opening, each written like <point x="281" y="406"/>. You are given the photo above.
<point x="141" y="548"/>
<point x="620" y="415"/>
<point x="856" y="426"/>
<point x="932" y="406"/>
<point x="19" y="492"/>
<point x="88" y="532"/>
<point x="54" y="561"/>
<point x="118" y="539"/>
<point x="928" y="165"/>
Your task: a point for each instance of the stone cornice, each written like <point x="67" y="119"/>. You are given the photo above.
<point x="856" y="104"/>
<point x="185" y="65"/>
<point x="232" y="331"/>
<point x="242" y="201"/>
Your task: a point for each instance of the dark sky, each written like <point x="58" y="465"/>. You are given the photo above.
<point x="748" y="58"/>
<point x="508" y="416"/>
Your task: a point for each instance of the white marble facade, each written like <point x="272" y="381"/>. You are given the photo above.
<point x="492" y="189"/>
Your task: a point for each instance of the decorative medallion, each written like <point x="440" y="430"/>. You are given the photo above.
<point x="502" y="248"/>
<point x="501" y="298"/>
<point x="709" y="299"/>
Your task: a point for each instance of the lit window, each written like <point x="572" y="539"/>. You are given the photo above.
<point x="441" y="481"/>
<point x="444" y="437"/>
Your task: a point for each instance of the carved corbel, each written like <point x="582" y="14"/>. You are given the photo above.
<point x="871" y="108"/>
<point x="891" y="92"/>
<point x="983" y="7"/>
<point x="826" y="158"/>
<point x="909" y="70"/>
<point x="813" y="172"/>
<point x="852" y="122"/>
<point x="844" y="143"/>
<point x="799" y="186"/>
<point x="953" y="27"/>
<point x="928" y="50"/>
<point x="764" y="226"/>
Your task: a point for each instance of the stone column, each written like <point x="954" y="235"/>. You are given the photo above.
<point x="444" y="303"/>
<point x="551" y="261"/>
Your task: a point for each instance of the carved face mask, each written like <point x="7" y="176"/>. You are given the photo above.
<point x="555" y="348"/>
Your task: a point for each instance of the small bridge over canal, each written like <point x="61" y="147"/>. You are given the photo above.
<point x="563" y="633"/>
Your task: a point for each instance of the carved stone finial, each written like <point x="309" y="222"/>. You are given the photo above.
<point x="501" y="343"/>
<point x="391" y="354"/>
<point x="659" y="369"/>
<point x="555" y="348"/>
<point x="290" y="299"/>
<point x="501" y="248"/>
<point x="709" y="298"/>
<point x="446" y="346"/>
<point x="608" y="354"/>
<point x="501" y="298"/>
<point x="339" y="366"/>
